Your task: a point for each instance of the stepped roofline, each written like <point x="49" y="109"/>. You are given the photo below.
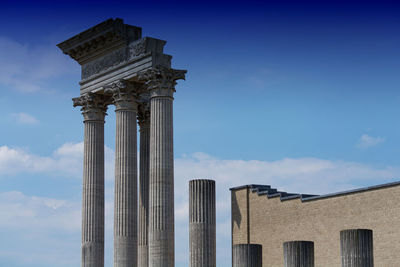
<point x="267" y="190"/>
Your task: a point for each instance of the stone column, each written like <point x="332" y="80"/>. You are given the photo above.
<point x="94" y="111"/>
<point x="125" y="196"/>
<point x="356" y="247"/>
<point x="144" y="123"/>
<point x="202" y="223"/>
<point x="247" y="255"/>
<point x="298" y="254"/>
<point x="160" y="82"/>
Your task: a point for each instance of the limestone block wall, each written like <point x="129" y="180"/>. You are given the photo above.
<point x="270" y="221"/>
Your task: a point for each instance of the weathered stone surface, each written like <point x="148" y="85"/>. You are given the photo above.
<point x="298" y="254"/>
<point x="202" y="236"/>
<point x="356" y="246"/>
<point x="161" y="199"/>
<point x="144" y="124"/>
<point x="125" y="197"/>
<point x="134" y="51"/>
<point x="93" y="110"/>
<point x="247" y="255"/>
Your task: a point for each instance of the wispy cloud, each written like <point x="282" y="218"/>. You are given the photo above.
<point x="367" y="141"/>
<point x="38" y="219"/>
<point x="39" y="229"/>
<point x="24" y="118"/>
<point x="66" y="160"/>
<point x="28" y="68"/>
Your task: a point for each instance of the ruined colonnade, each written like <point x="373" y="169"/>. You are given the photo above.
<point x="121" y="68"/>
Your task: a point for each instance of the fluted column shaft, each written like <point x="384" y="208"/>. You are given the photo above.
<point x="298" y="254"/>
<point x="160" y="82"/>
<point x="125" y="202"/>
<point x="161" y="201"/>
<point x="356" y="247"/>
<point x="93" y="110"/>
<point x="143" y="249"/>
<point x="247" y="255"/>
<point x="202" y="236"/>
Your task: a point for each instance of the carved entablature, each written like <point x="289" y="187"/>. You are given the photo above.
<point x="138" y="49"/>
<point x="112" y="51"/>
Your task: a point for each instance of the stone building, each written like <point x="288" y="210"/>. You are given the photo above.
<point x="263" y="215"/>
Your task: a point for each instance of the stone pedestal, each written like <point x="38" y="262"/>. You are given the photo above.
<point x="247" y="255"/>
<point x="144" y="123"/>
<point x="298" y="254"/>
<point x="125" y="197"/>
<point x="356" y="246"/>
<point x="202" y="237"/>
<point x="160" y="83"/>
<point x="94" y="111"/>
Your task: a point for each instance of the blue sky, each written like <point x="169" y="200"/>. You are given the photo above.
<point x="300" y="95"/>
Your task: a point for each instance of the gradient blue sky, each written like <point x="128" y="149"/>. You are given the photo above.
<point x="300" y="95"/>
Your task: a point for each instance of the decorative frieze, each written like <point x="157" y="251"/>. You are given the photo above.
<point x="114" y="59"/>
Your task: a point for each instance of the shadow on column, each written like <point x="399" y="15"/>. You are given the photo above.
<point x="247" y="255"/>
<point x="356" y="246"/>
<point x="298" y="254"/>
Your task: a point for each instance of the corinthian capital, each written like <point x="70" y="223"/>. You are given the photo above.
<point x="94" y="106"/>
<point x="123" y="94"/>
<point x="161" y="81"/>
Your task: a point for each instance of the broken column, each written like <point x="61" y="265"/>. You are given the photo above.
<point x="356" y="246"/>
<point x="202" y="237"/>
<point x="247" y="255"/>
<point x="298" y="254"/>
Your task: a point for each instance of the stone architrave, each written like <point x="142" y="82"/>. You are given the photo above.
<point x="160" y="82"/>
<point x="356" y="246"/>
<point x="298" y="254"/>
<point x="202" y="236"/>
<point x="125" y="197"/>
<point x="144" y="124"/>
<point x="94" y="110"/>
<point x="247" y="255"/>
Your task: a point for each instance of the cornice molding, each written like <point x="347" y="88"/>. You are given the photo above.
<point x="99" y="40"/>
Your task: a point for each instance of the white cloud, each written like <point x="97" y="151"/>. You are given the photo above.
<point x="19" y="211"/>
<point x="367" y="141"/>
<point x="24" y="118"/>
<point x="66" y="161"/>
<point x="35" y="219"/>
<point x="27" y="68"/>
<point x="39" y="230"/>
